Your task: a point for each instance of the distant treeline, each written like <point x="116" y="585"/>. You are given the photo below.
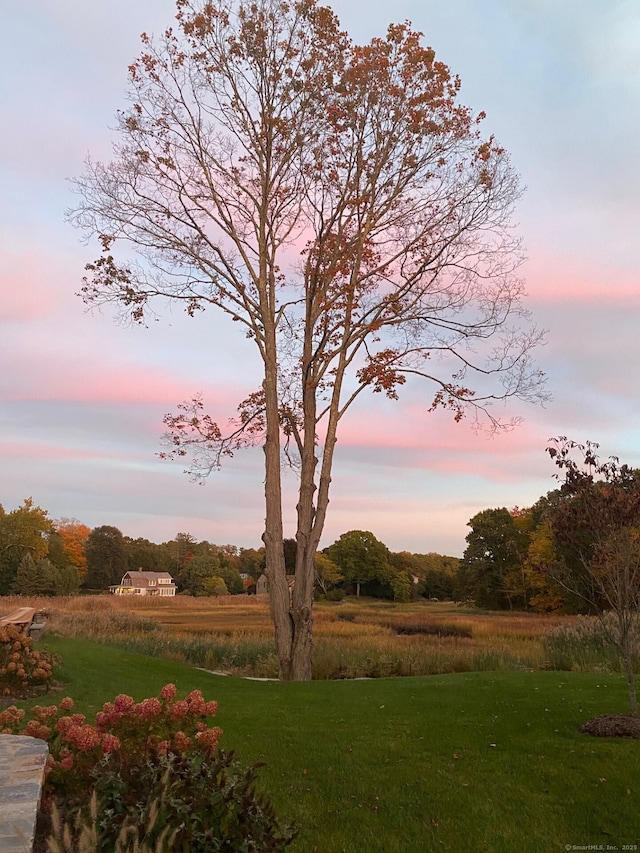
<point x="40" y="556"/>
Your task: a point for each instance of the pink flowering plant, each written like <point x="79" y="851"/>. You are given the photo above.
<point x="126" y="733"/>
<point x="155" y="765"/>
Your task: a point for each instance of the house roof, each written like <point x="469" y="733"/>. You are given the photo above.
<point x="152" y="583"/>
<point x="151" y="576"/>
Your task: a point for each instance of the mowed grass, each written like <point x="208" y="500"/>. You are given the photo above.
<point x="473" y="761"/>
<point x="353" y="639"/>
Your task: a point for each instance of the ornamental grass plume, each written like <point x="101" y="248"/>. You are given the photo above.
<point x="589" y="644"/>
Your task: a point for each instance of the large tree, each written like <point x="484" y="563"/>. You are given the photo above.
<point x="339" y="204"/>
<point x="328" y="575"/>
<point x="106" y="554"/>
<point x="23" y="532"/>
<point x="598" y="523"/>
<point x="148" y="556"/>
<point x="361" y="558"/>
<point x="493" y="557"/>
<point x="74" y="535"/>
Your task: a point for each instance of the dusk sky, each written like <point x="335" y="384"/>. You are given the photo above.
<point x="82" y="398"/>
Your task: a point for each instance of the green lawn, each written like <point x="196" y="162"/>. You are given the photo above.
<point x="466" y="762"/>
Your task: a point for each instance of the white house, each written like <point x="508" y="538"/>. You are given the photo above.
<point x="145" y="583"/>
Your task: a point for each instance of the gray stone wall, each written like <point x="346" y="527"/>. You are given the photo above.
<point x="22" y="761"/>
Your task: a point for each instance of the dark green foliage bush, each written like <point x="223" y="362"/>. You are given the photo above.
<point x="202" y="804"/>
<point x="334" y="595"/>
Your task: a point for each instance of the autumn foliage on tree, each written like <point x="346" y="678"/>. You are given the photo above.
<point x="513" y="559"/>
<point x="74" y="536"/>
<point x="598" y="524"/>
<point x="340" y="205"/>
<point x="576" y="550"/>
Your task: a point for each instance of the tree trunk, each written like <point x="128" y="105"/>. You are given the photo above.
<point x="302" y="618"/>
<point x="279" y="600"/>
<point x="302" y="593"/>
<point x="273" y="537"/>
<point x="631" y="682"/>
<point x="625" y="624"/>
<point x="307" y="533"/>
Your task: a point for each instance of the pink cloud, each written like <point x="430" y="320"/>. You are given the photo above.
<point x="554" y="278"/>
<point x="15" y="450"/>
<point x="25" y="284"/>
<point x="88" y="378"/>
<point x="409" y="426"/>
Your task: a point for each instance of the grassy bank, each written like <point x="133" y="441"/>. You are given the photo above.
<point x="462" y="762"/>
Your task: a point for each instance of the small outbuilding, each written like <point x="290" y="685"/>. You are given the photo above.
<point x="262" y="584"/>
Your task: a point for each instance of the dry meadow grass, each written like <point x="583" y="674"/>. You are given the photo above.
<point x="366" y="638"/>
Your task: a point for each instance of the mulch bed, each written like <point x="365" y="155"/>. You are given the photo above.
<point x="615" y="725"/>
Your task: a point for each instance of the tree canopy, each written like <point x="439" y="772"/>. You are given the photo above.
<point x="360" y="557"/>
<point x="494" y="552"/>
<point x="599" y="526"/>
<point x="106" y="555"/>
<point x="23" y="532"/>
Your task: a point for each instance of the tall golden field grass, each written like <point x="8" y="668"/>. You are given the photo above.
<point x="353" y="638"/>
